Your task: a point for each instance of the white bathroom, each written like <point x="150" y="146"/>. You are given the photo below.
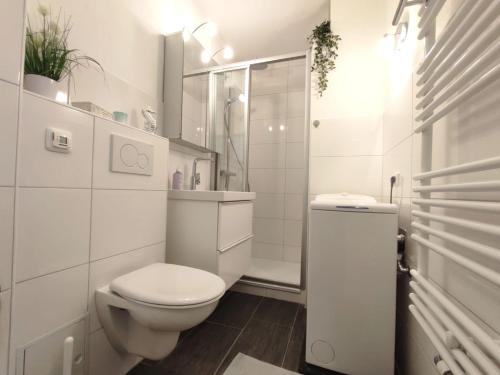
<point x="209" y="187"/>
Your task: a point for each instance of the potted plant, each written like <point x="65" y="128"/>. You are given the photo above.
<point x="48" y="60"/>
<point x="325" y="45"/>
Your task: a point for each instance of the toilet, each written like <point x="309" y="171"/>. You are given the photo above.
<point x="144" y="311"/>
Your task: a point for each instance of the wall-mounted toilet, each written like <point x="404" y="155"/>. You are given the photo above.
<point x="144" y="311"/>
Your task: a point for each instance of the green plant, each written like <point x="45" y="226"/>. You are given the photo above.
<point x="47" y="53"/>
<point x="325" y="45"/>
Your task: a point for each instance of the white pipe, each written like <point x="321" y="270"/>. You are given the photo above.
<point x="476" y="331"/>
<point x="464" y="361"/>
<point x="431" y="102"/>
<point x="465" y="186"/>
<point x="445" y="74"/>
<point x="480" y="84"/>
<point x="469" y="224"/>
<point x="440" y="331"/>
<point x="478" y="269"/>
<point x="429" y="16"/>
<point x="443" y="352"/>
<point x="454" y="23"/>
<point x="479" y="165"/>
<point x="482" y="359"/>
<point x="473" y="25"/>
<point x="67" y="365"/>
<point x="482" y="206"/>
<point x="488" y="251"/>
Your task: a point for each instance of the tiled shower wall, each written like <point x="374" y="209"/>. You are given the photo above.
<point x="276" y="159"/>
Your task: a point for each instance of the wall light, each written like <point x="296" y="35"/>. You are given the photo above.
<point x="394" y="42"/>
<point x="210" y="27"/>
<point x="207" y="55"/>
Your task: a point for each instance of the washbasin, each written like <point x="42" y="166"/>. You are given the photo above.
<point x="211" y="195"/>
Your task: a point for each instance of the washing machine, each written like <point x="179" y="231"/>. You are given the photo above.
<point x="351" y="284"/>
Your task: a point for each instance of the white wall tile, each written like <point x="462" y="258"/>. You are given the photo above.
<point x="104" y="178"/>
<point x="124" y="220"/>
<point x="8" y="121"/>
<point x="295" y="157"/>
<point x="355" y="174"/>
<point x="4" y="330"/>
<point x="269" y="81"/>
<point x="295" y="181"/>
<point x="6" y="235"/>
<point x="295" y="129"/>
<point x="53" y="230"/>
<point x="267" y="156"/>
<point x="103" y="271"/>
<point x="398" y="160"/>
<point x="266" y="131"/>
<point x="40" y="167"/>
<point x="347" y="136"/>
<point x="269" y="206"/>
<point x="267" y="180"/>
<point x="268" y="230"/>
<point x="264" y="107"/>
<point x="43" y="304"/>
<point x="294" y="206"/>
<point x="11" y="27"/>
<point x="267" y="250"/>
<point x="105" y="360"/>
<point x="295" y="104"/>
<point x="293" y="233"/>
<point x="297" y="77"/>
<point x="292" y="253"/>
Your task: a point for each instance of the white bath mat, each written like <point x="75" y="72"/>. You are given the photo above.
<point x="245" y="365"/>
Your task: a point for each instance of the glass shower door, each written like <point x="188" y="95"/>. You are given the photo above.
<point x="229" y="128"/>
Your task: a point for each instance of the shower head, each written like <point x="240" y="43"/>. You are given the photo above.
<point x="242" y="98"/>
<point x="261" y="66"/>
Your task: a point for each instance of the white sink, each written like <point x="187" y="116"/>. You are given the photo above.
<point x="211" y="195"/>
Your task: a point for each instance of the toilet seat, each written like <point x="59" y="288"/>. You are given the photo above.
<point x="169" y="286"/>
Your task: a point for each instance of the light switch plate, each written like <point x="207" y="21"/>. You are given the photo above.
<point x="131" y="156"/>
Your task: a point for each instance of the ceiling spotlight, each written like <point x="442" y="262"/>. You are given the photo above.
<point x="186" y="35"/>
<point x="209" y="26"/>
<point x="228" y="53"/>
<point x="206" y="56"/>
<point x="211" y="29"/>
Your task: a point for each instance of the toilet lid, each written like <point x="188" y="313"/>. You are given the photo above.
<point x="169" y="285"/>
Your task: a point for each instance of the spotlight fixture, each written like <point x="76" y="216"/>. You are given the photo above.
<point x="207" y="55"/>
<point x="210" y="27"/>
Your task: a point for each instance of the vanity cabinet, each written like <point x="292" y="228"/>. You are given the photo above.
<point x="211" y="230"/>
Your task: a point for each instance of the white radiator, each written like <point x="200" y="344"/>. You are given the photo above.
<point x="459" y="64"/>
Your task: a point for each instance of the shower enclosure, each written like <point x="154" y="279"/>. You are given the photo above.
<point x="257" y="113"/>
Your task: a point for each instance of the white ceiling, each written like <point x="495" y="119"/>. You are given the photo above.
<point x="264" y="28"/>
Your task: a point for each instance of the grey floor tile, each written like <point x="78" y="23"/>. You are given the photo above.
<point x="276" y="311"/>
<point x="235" y="309"/>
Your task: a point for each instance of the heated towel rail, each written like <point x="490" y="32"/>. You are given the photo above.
<point x="459" y="64"/>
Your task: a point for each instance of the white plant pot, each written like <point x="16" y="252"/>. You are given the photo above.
<point x="44" y="86"/>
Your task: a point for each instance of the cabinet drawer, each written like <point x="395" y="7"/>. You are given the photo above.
<point x="234" y="262"/>
<point x="235" y="223"/>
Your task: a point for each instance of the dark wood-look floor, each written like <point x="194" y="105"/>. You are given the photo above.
<point x="267" y="329"/>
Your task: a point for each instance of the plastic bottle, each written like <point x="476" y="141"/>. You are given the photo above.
<point x="177" y="180"/>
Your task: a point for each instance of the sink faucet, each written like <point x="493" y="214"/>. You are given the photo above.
<point x="195" y="176"/>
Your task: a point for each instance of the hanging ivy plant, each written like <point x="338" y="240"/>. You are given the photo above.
<point x="325" y="45"/>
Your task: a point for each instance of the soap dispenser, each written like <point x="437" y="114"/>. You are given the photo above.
<point x="177" y="180"/>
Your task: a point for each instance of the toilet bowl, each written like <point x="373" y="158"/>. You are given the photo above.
<point x="143" y="312"/>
